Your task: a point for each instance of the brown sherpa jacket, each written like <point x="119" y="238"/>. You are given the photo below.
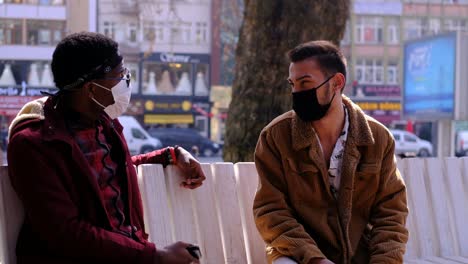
<point x="295" y="211"/>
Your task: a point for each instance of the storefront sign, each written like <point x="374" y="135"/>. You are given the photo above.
<point x="10" y="91"/>
<point x="383" y="111"/>
<point x="37" y="91"/>
<point x="15" y="102"/>
<point x="177" y="57"/>
<point x="30" y="91"/>
<point x="169" y="57"/>
<point x="168" y="119"/>
<point x="172" y="105"/>
<point x="377" y="90"/>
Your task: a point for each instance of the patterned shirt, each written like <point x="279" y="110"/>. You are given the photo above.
<point x="96" y="148"/>
<point x="336" y="159"/>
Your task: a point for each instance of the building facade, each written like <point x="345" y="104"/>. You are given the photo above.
<point x="373" y="44"/>
<point x="166" y="45"/>
<point x="29" y="32"/>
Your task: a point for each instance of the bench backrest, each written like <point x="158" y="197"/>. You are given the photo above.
<point x="11" y="218"/>
<point x="218" y="215"/>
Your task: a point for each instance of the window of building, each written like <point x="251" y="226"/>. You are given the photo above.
<point x="434" y="26"/>
<point x="44" y="33"/>
<point x="10" y="32"/>
<point x="413" y="28"/>
<point x="369" y="30"/>
<point x="460" y="25"/>
<point x="369" y="71"/>
<point x="149" y="31"/>
<point x="132" y="32"/>
<point x="393" y="31"/>
<point x="201" y="34"/>
<point x="392" y="72"/>
<point x="108" y="29"/>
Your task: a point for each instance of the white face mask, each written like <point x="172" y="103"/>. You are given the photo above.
<point x="121" y="93"/>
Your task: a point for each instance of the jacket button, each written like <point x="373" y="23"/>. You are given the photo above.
<point x="134" y="228"/>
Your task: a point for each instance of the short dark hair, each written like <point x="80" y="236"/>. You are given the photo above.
<point x="78" y="56"/>
<point x="326" y="53"/>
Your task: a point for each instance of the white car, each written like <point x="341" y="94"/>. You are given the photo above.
<point x="408" y="144"/>
<point x="138" y="140"/>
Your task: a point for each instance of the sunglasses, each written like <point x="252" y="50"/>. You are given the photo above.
<point x="127" y="76"/>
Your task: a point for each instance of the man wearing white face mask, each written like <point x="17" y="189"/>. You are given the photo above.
<point x="77" y="185"/>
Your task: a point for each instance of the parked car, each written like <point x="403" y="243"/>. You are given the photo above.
<point x="138" y="140"/>
<point x="187" y="138"/>
<point x="408" y="144"/>
<point x="461" y="143"/>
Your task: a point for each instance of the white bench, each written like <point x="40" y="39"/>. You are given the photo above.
<point x="218" y="215"/>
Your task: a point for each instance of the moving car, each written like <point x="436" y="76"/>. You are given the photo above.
<point x="187" y="138"/>
<point x="408" y="144"/>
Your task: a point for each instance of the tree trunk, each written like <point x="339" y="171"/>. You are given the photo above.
<point x="260" y="90"/>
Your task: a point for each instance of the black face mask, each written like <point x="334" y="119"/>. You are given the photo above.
<point x="306" y="105"/>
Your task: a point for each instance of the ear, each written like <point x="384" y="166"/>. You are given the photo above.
<point x="339" y="82"/>
<point x="88" y="89"/>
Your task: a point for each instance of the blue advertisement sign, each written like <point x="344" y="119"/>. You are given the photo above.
<point x="429" y="77"/>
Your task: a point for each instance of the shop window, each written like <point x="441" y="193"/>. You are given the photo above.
<point x="202" y="80"/>
<point x="167" y="79"/>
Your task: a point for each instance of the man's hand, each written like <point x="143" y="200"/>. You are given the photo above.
<point x="190" y="168"/>
<point x="175" y="254"/>
<point x="320" y="261"/>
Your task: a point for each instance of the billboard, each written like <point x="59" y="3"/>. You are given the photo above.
<point x="429" y="78"/>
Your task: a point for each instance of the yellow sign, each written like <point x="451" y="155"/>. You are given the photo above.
<point x="168" y="119"/>
<point x="385" y="106"/>
<point x="149" y="105"/>
<point x="186" y="105"/>
<point x="168" y="106"/>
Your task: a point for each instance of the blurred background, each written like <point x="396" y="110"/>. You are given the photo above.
<point x="407" y="62"/>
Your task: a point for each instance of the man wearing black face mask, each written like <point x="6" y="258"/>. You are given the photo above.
<point x="329" y="190"/>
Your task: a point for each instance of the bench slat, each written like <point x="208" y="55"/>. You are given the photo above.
<point x="207" y="220"/>
<point x="435" y="182"/>
<point x="421" y="207"/>
<point x="158" y="220"/>
<point x="247" y="181"/>
<point x="459" y="200"/>
<point x="181" y="206"/>
<point x="11" y="218"/>
<point x="229" y="213"/>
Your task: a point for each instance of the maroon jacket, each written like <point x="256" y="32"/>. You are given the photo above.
<point x="65" y="219"/>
